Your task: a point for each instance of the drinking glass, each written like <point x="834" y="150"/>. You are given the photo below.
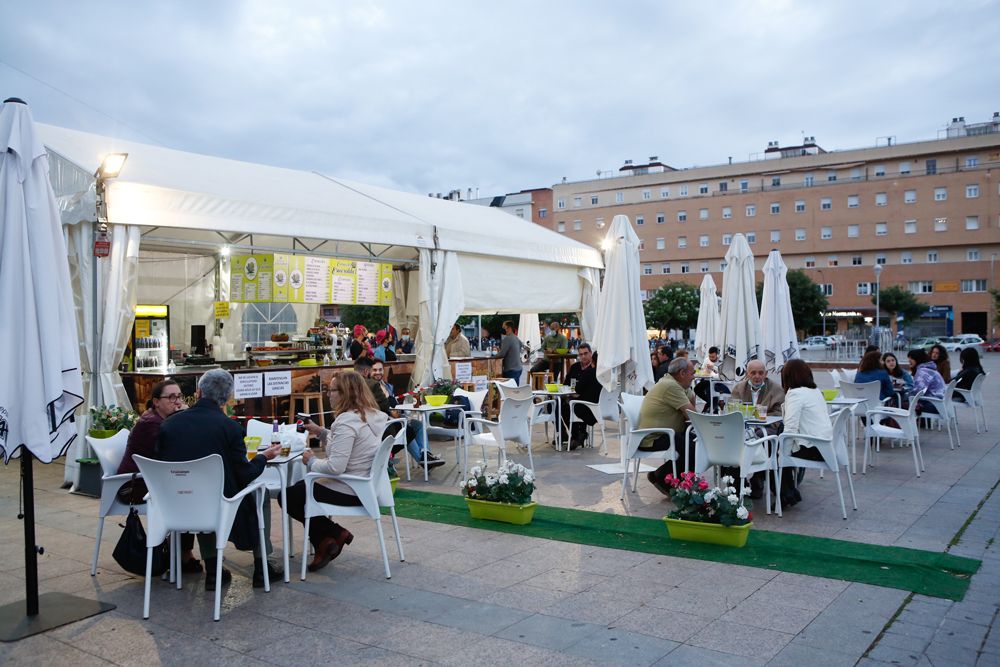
<point x="572" y="384"/>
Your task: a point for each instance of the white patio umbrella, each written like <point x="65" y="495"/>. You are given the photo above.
<point x="41" y="385"/>
<point x="620" y="334"/>
<point x="776" y="322"/>
<point x="529" y="332"/>
<point x="709" y="331"/>
<point x="740" y="317"/>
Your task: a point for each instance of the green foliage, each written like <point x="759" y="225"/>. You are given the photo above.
<point x="898" y="301"/>
<point x="372" y="318"/>
<point x="808" y="302"/>
<point x="695" y="500"/>
<point x="112" y="418"/>
<point x="491" y="323"/>
<point x="996" y="305"/>
<point x="512" y="483"/>
<point x="673" y="306"/>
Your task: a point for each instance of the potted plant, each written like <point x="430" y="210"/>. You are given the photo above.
<point x="504" y="496"/>
<point x="443" y="391"/>
<point x="708" y="514"/>
<point x="106" y="420"/>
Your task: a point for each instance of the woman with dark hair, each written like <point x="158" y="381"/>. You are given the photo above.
<point x="870" y="370"/>
<point x="971" y="368"/>
<point x="901" y="378"/>
<point x="925" y="377"/>
<point x="804" y="411"/>
<point x="939" y="356"/>
<point x="351" y="444"/>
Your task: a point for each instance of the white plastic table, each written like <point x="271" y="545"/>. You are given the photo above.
<point x="851" y="404"/>
<point x="281" y="463"/>
<point x="557" y="395"/>
<point x="423" y="412"/>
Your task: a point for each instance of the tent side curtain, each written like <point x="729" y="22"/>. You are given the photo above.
<point x="498" y="285"/>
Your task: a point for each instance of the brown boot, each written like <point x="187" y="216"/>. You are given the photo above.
<point x="329" y="549"/>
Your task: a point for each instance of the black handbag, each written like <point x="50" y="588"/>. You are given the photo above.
<point x="130" y="552"/>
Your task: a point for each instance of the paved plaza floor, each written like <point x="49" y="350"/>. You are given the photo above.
<point x="476" y="595"/>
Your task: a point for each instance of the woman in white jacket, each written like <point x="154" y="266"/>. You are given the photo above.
<point x="804" y="411"/>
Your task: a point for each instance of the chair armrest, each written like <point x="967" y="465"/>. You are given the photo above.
<point x="967" y="393"/>
<point x="799" y="436"/>
<point x="250" y="488"/>
<point x="889" y="411"/>
<point x="589" y="404"/>
<point x="548" y="401"/>
<point x="122" y="477"/>
<point x="479" y="420"/>
<point x="758" y="441"/>
<point x="648" y="431"/>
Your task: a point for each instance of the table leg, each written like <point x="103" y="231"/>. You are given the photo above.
<point x="283" y="480"/>
<point x="559" y="423"/>
<point x="425" y="416"/>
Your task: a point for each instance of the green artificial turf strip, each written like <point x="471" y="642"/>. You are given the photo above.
<point x="926" y="572"/>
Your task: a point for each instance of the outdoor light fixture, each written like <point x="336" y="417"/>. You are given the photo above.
<point x="111" y="165"/>
<point x="224" y="251"/>
<point x="607" y="244"/>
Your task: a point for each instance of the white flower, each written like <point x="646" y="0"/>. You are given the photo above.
<point x="733" y="498"/>
<point x="472" y="483"/>
<point x="490" y="480"/>
<point x="504" y="479"/>
<point x="528" y="477"/>
<point x="727" y="479"/>
<point x="710" y="496"/>
<point x="476" y="471"/>
<point x="742" y="513"/>
<point x="731" y="489"/>
<point x="461" y="485"/>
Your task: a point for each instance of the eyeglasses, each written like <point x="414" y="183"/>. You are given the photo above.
<point x="334" y="389"/>
<point x="172" y="397"/>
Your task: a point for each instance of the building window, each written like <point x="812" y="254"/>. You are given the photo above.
<point x="856" y="260"/>
<point x="683" y="190"/>
<point x="703" y="240"/>
<point x="974" y="285"/>
<point x="853" y="201"/>
<point x="744" y="186"/>
<point x="880" y="170"/>
<point x="644" y="295"/>
<point x="910" y="197"/>
<point x="972" y="254"/>
<point x="800" y="205"/>
<point x="642" y="244"/>
<point x="727" y="212"/>
<point x="577" y="202"/>
<point x="880" y="258"/>
<point x="864" y="289"/>
<point x="577" y="225"/>
<point x="825" y="204"/>
<point x="262" y="320"/>
<point x="723" y="186"/>
<point x="752" y="238"/>
<point x="932" y="256"/>
<point x="971" y="161"/>
<point x="543" y="213"/>
<point x="682" y="216"/>
<point x="599" y="223"/>
<point x="685" y="267"/>
<point x="660" y="218"/>
<point x="810" y="262"/>
<point x="856" y="174"/>
<point x="665" y="268"/>
<point x="775" y="235"/>
<point x="619" y="197"/>
<point x="776" y="181"/>
<point x="647" y="269"/>
<point x="594" y="199"/>
<point x="703" y="189"/>
<point x="727" y="239"/>
<point x="703" y="214"/>
<point x="971" y="222"/>
<point x="751" y="210"/>
<point x="560" y="203"/>
<point x="972" y="191"/>
<point x="704" y="267"/>
<point x="560" y="226"/>
<point x="722" y="265"/>
<point x="682" y="241"/>
<point x="826" y="233"/>
<point x="807" y="180"/>
<point x="832" y="261"/>
<point x="930" y="167"/>
<point x="910" y="226"/>
<point x="904" y="168"/>
<point x="647" y="195"/>
<point x="775" y="208"/>
<point x="940" y="224"/>
<point x="640" y="219"/>
<point x="922" y="287"/>
<point x="906" y="257"/>
<point x="831" y="176"/>
<point x="661" y="244"/>
<point x="881" y="199"/>
<point x="826" y="289"/>
<point x="800" y="234"/>
<point x="664" y="193"/>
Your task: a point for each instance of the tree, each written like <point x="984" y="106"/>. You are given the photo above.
<point x="996" y="305"/>
<point x="897" y="301"/>
<point x="673" y="306"/>
<point x="808" y="302"/>
<point x="372" y="317"/>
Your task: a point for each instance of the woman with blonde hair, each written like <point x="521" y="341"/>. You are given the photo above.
<point x="351" y="444"/>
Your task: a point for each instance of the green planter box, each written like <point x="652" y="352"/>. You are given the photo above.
<point x="393" y="481"/>
<point x="516" y="514"/>
<point x="90" y="478"/>
<point x="710" y="533"/>
<point x="100" y="433"/>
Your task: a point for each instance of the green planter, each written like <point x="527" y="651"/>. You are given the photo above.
<point x="393" y="481"/>
<point x="89" y="483"/>
<point x="710" y="533"/>
<point x="519" y="515"/>
<point x="101" y="433"/>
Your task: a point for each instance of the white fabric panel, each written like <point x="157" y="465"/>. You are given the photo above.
<point x="405" y="307"/>
<point x="120" y="274"/>
<point x="495" y="285"/>
<point x="530" y="333"/>
<point x="709" y="331"/>
<point x="777" y="326"/>
<point x="441" y="303"/>
<point x="591" y="286"/>
<point x="80" y="253"/>
<point x="740" y="317"/>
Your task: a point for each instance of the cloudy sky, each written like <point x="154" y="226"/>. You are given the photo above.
<point x="430" y="96"/>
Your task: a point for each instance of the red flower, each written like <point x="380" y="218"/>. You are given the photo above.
<point x="702" y="485"/>
<point x="749" y="516"/>
<point x="686" y="485"/>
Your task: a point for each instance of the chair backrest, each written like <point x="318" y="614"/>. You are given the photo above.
<point x="515" y="420"/>
<point x="949" y="391"/>
<point x="977" y="389"/>
<point x="866" y="390"/>
<point x="721" y="438"/>
<point x="846" y="374"/>
<point x="110" y="451"/>
<point x="400" y="437"/>
<point x="835" y="376"/>
<point x="607" y="404"/>
<point x="183" y="495"/>
<point x="631" y="406"/>
<point x="518" y="392"/>
<point x="840" y="421"/>
<point x="379" y="472"/>
<point x="476" y="398"/>
<point x="256" y="427"/>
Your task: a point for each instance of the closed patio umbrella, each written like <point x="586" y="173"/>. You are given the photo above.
<point x="777" y="325"/>
<point x="709" y="332"/>
<point x="741" y="335"/>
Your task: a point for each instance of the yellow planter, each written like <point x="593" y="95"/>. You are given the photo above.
<point x="393" y="481"/>
<point x="710" y="533"/>
<point x="101" y="433"/>
<point x="516" y="514"/>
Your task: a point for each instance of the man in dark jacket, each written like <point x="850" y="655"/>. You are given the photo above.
<point x="584" y="371"/>
<point x="204" y="430"/>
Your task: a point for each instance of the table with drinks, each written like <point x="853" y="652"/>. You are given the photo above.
<point x="557" y="391"/>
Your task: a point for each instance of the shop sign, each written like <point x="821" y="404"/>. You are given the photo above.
<point x="946" y="287"/>
<point x="102" y="244"/>
<point x="221" y="310"/>
<point x="248" y="385"/>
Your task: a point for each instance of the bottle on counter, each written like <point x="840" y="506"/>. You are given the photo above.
<point x="275" y="433"/>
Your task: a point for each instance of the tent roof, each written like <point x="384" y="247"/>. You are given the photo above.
<point x="187" y="200"/>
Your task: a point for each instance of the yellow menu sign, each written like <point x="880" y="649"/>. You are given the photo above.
<point x="221" y="310"/>
<point x="283" y="278"/>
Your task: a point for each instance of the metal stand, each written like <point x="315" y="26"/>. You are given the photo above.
<point x="37" y="614"/>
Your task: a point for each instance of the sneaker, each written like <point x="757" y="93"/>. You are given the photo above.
<point x="227" y="576"/>
<point x="433" y="461"/>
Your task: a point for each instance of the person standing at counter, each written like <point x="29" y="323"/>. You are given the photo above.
<point x="554" y="340"/>
<point x="457" y="344"/>
<point x="405" y="342"/>
<point x="510" y="352"/>
<point x="383" y="349"/>
<point x="360" y="345"/>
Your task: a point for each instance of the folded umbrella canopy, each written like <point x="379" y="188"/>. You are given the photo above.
<point x="740" y="318"/>
<point x="620" y="336"/>
<point x="777" y="325"/>
<point x="709" y="331"/>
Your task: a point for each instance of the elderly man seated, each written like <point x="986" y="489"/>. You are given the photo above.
<point x="760" y="390"/>
<point x="666" y="406"/>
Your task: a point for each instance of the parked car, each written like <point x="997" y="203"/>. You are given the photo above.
<point x="926" y="342"/>
<point x="815" y="343"/>
<point x="993" y="345"/>
<point x="959" y="343"/>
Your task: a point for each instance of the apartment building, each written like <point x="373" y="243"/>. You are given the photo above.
<point x="928" y="212"/>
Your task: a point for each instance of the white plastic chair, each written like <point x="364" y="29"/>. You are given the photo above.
<point x="834" y="453"/>
<point x="974" y="401"/>
<point x="835" y="378"/>
<point x="374" y="492"/>
<point x="606" y="408"/>
<point x="870" y="392"/>
<point x="721" y="441"/>
<point x="513" y="424"/>
<point x="399" y="440"/>
<point x="187" y="497"/>
<point x="945" y="413"/>
<point x="631" y="406"/>
<point x="110" y="452"/>
<point x="456" y="433"/>
<point x="907" y="431"/>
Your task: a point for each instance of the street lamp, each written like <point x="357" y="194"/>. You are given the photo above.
<point x="878" y="296"/>
<point x="822" y="289"/>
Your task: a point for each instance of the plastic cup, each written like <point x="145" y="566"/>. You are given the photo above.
<point x="762" y="411"/>
<point x="252" y="442"/>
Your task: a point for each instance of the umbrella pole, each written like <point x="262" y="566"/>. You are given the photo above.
<point x="30" y="548"/>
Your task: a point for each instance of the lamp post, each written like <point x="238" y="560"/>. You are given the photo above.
<point x="822" y="289"/>
<point x="878" y="296"/>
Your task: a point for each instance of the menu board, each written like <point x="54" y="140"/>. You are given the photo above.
<point x="282" y="278"/>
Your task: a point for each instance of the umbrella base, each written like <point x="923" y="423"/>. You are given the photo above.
<point x="54" y="610"/>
